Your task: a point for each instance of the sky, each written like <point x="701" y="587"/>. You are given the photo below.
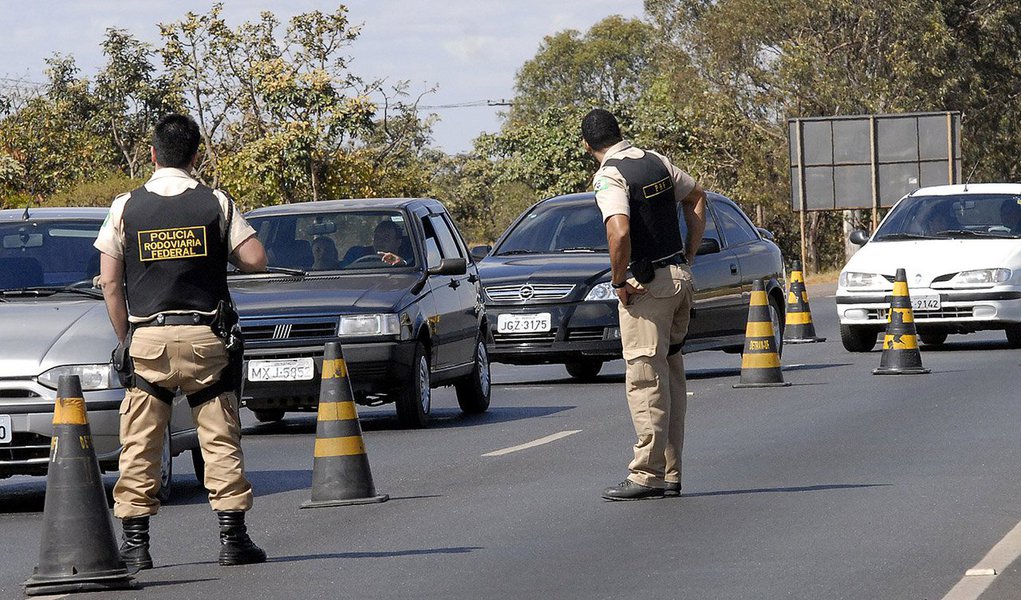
<point x="469" y="49"/>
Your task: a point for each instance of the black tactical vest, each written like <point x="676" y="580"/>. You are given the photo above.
<point x="175" y="253"/>
<point x="655" y="231"/>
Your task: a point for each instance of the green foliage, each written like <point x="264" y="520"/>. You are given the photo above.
<point x="99" y="192"/>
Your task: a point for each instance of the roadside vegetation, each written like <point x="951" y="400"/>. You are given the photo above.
<point x="710" y="83"/>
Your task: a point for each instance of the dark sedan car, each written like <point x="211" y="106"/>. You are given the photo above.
<point x="548" y="292"/>
<point x="391" y="279"/>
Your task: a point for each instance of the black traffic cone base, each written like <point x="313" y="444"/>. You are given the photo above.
<point x="46" y="586"/>
<point x="327" y="503"/>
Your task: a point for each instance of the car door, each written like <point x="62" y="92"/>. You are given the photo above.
<point x="451" y="345"/>
<point x="718" y="300"/>
<point x="753" y="257"/>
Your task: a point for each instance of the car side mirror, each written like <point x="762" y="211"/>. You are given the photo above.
<point x="766" y="234"/>
<point x="708" y="246"/>
<point x="858" y="237"/>
<point x="450" y="266"/>
<point x="480" y="252"/>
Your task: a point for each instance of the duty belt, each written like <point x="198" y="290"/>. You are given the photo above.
<point x="178" y="319"/>
<point x="676" y="259"/>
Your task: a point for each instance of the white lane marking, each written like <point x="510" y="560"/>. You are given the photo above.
<point x="532" y="444"/>
<point x="983" y="574"/>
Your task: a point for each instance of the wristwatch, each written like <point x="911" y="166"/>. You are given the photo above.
<point x="618" y="286"/>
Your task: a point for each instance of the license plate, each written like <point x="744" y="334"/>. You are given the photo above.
<point x="925" y="302"/>
<point x="523" y="323"/>
<point x="6" y="431"/>
<point x="281" y="369"/>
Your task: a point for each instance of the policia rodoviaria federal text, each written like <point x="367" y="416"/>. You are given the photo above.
<point x="163" y="269"/>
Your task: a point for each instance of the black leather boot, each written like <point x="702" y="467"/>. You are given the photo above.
<point x="135" y="549"/>
<point x="236" y="548"/>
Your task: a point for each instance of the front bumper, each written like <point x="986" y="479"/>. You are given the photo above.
<point x="578" y="331"/>
<point x="961" y="311"/>
<point x="375" y="369"/>
<point x="30" y="406"/>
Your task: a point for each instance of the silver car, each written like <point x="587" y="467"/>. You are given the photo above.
<point x="53" y="322"/>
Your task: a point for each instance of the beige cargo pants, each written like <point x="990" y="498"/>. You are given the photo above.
<point x="655" y="384"/>
<point x="190" y="357"/>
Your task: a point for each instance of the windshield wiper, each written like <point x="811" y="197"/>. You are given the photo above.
<point x="49" y="291"/>
<point x="905" y="236"/>
<point x="284" y="270"/>
<point x="510" y="252"/>
<point x="583" y="249"/>
<point x="972" y="233"/>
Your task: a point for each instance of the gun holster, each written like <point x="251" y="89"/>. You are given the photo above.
<point x="643" y="270"/>
<point x="227" y="327"/>
<point x="121" y="362"/>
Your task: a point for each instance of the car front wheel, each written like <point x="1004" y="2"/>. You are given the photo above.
<point x="857" y="339"/>
<point x="415" y="401"/>
<point x="269" y="415"/>
<point x="166" y="469"/>
<point x="473" y="392"/>
<point x="1014" y="335"/>
<point x="585" y="370"/>
<point x="933" y="339"/>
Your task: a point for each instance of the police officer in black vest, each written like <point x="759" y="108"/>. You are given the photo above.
<point x="638" y="193"/>
<point x="163" y="269"/>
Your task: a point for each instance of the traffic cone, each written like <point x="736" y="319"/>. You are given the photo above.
<point x="900" y="345"/>
<point x="799" y="329"/>
<point x="340" y="469"/>
<point x="79" y="549"/>
<point x="760" y="363"/>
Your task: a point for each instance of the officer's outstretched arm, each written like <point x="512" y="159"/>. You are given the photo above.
<point x="249" y="256"/>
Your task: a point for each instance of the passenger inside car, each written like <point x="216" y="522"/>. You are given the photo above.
<point x="940" y="218"/>
<point x="324" y="254"/>
<point x="1010" y="215"/>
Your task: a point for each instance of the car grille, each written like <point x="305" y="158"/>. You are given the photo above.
<point x="25" y="446"/>
<point x="947" y="312"/>
<point x="544" y="338"/>
<point x="290" y="331"/>
<point x="585" y="334"/>
<point x="529" y="292"/>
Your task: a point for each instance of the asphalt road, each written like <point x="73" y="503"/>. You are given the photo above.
<point x="843" y="485"/>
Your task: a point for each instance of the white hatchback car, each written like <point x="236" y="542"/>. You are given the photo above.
<point x="961" y="248"/>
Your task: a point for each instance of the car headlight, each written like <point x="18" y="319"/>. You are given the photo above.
<point x="981" y="276"/>
<point x="601" y="291"/>
<point x="93" y="377"/>
<point x="850" y="279"/>
<point x="385" y="324"/>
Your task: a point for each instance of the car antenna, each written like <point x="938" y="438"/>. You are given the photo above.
<point x="26" y="216"/>
<point x="975" y="168"/>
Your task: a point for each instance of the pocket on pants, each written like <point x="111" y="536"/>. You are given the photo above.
<point x="151" y="360"/>
<point x="125" y="405"/>
<point x="641" y="375"/>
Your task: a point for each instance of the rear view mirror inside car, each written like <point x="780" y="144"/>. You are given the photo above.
<point x="23" y="240"/>
<point x="323" y="228"/>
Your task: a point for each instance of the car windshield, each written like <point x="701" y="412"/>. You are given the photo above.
<point x="956" y="216"/>
<point x="48" y="253"/>
<point x="336" y="241"/>
<point x="554" y="227"/>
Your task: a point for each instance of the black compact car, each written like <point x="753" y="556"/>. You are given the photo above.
<point x="548" y="295"/>
<point x="390" y="279"/>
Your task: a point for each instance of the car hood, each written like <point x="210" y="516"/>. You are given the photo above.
<point x="37" y="335"/>
<point x="583" y="270"/>
<point x="926" y="259"/>
<point x="263" y="295"/>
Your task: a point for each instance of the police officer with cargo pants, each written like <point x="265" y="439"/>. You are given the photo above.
<point x="637" y="192"/>
<point x="163" y="269"/>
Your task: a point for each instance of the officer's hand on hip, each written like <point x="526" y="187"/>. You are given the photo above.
<point x="625" y="293"/>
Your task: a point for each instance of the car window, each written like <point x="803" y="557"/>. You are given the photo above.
<point x="552" y="227"/>
<point x="711" y="231"/>
<point x="342" y="240"/>
<point x="449" y="248"/>
<point x="736" y="227"/>
<point x="953" y="216"/>
<point x="48" y="253"/>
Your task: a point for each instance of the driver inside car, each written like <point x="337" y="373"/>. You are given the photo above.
<point x="386" y="243"/>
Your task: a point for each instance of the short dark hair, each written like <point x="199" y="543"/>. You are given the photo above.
<point x="176" y="140"/>
<point x="600" y="129"/>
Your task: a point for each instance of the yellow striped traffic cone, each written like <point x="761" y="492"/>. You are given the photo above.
<point x="799" y="328"/>
<point x="340" y="469"/>
<point x="900" y="345"/>
<point x="79" y="549"/>
<point x="760" y="363"/>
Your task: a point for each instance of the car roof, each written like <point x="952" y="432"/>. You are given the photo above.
<point x="971" y="188"/>
<point x="8" y="215"/>
<point x="344" y="205"/>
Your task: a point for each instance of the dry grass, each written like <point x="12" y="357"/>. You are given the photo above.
<point x="824" y="277"/>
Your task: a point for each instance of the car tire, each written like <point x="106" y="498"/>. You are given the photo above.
<point x="777" y="318"/>
<point x="474" y="391"/>
<point x="166" y="470"/>
<point x="269" y="415"/>
<point x="585" y="370"/>
<point x="858" y="339"/>
<point x="199" y="464"/>
<point x="1014" y="335"/>
<point x="415" y="401"/>
<point x="933" y="339"/>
